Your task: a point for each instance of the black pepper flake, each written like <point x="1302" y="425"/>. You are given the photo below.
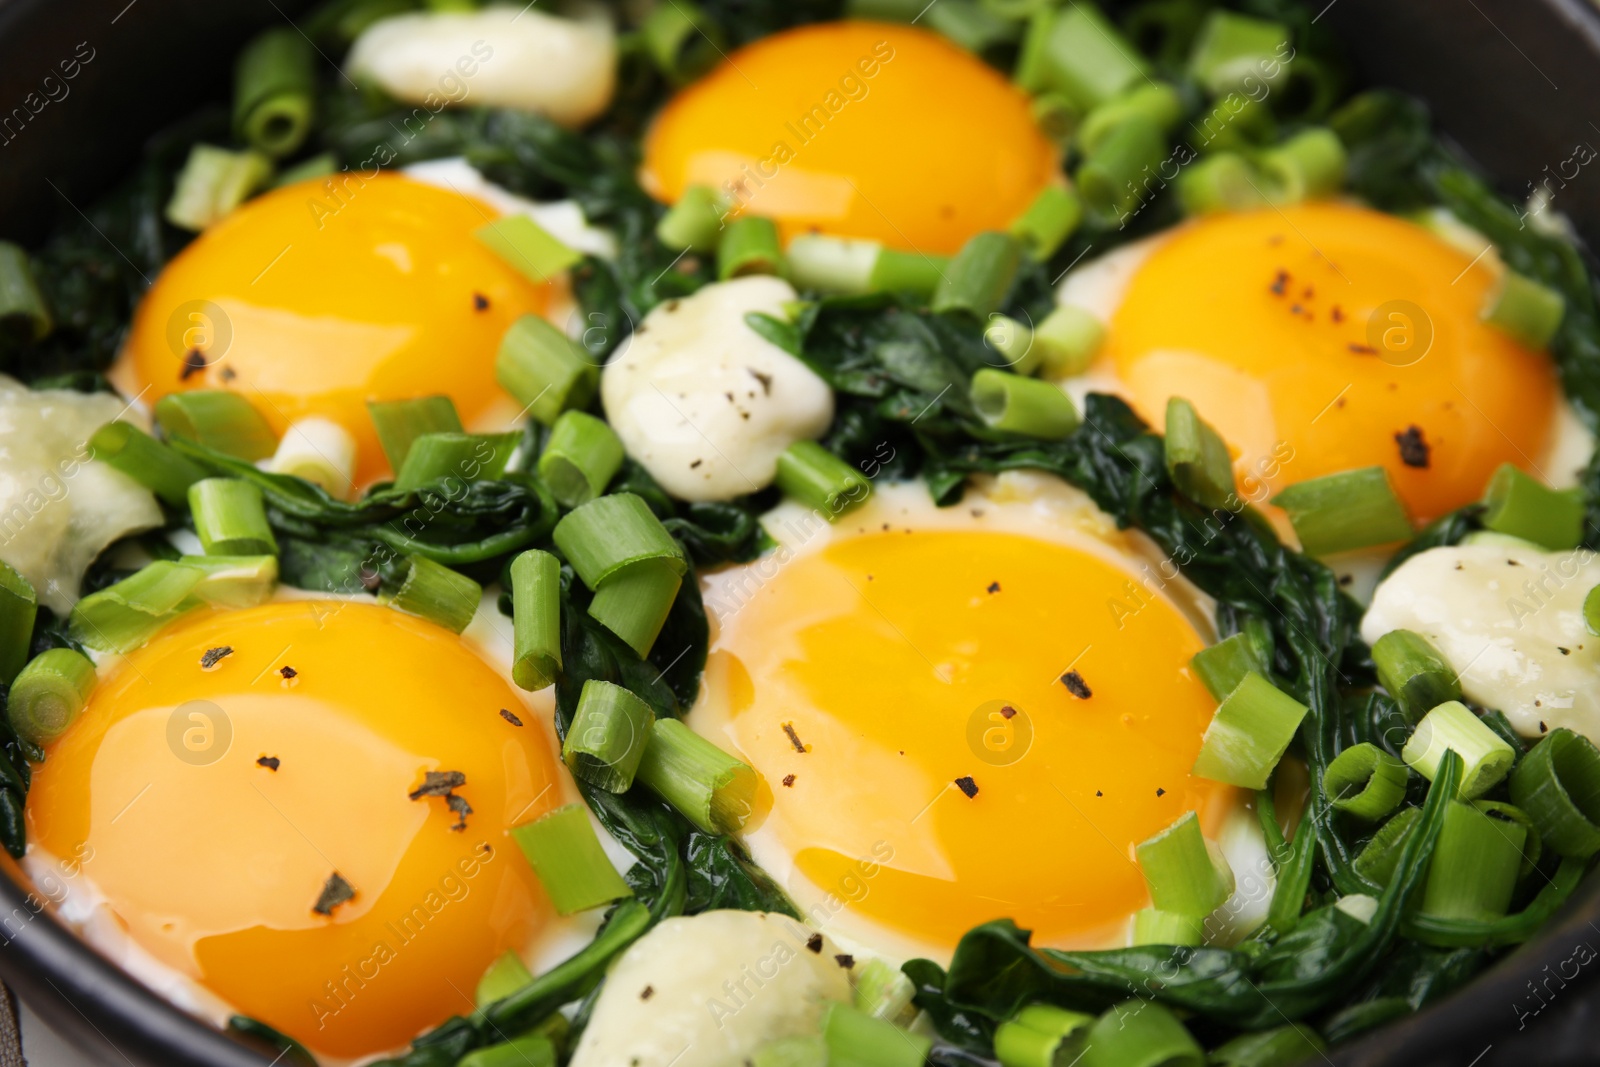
<point x="1564" y="651"/>
<point x="1279" y="282"/>
<point x="1362" y="350"/>
<point x="229" y="374"/>
<point x="1098" y="793"/>
<point x="269" y="762"/>
<point x="1413" y="449"/>
<point x="459" y="805"/>
<point x="510" y="718"/>
<point x="764" y="379"/>
<point x="287" y="673"/>
<point x="438" y="784"/>
<point x="845" y="960"/>
<point x="1007" y="711"/>
<point x="1543" y="729"/>
<point x="194" y="361"/>
<point x="1336" y="313"/>
<point x="1076" y="685"/>
<point x="213" y="656"/>
<point x="1346" y="579"/>
<point x="794" y="738"/>
<point x="696" y="464"/>
<point x="1160" y="792"/>
<point x="334" y="892"/>
<point x="647" y="992"/>
<point x="480" y="302"/>
<point x="814" y="943"/>
<point x="994" y="587"/>
<point x="788" y="781"/>
<point x="967" y="786"/>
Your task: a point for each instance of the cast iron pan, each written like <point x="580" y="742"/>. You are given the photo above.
<point x="1515" y="82"/>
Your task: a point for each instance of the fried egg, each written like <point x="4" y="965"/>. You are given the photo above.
<point x="962" y="714"/>
<point x="856" y="129"/>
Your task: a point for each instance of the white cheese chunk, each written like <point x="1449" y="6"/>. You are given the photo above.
<point x="709" y="990"/>
<point x="1510" y="621"/>
<point x="704" y="402"/>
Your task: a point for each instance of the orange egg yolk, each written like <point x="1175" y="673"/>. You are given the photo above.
<point x="313" y="299"/>
<point x="213" y="861"/>
<point x="1313" y="336"/>
<point x="907" y="666"/>
<point x="856" y="129"/>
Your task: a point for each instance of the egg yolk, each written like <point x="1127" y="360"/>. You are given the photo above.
<point x="166" y="798"/>
<point x="1326" y="337"/>
<point x="931" y="761"/>
<point x="856" y="129"/>
<point x="313" y="299"/>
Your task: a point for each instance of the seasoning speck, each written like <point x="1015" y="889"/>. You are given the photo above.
<point x="994" y="587"/>
<point x="845" y="960"/>
<point x="1413" y="449"/>
<point x="1007" y="711"/>
<point x="194" y="361"/>
<point x="480" y="302"/>
<point x="438" y="784"/>
<point x="287" y="673"/>
<point x="794" y="738"/>
<point x="788" y="781"/>
<point x="814" y="943"/>
<point x="214" y="656"/>
<point x="1362" y="350"/>
<point x="510" y="718"/>
<point x="1564" y="651"/>
<point x="1160" y="792"/>
<point x="269" y="762"/>
<point x="1098" y="793"/>
<point x="1076" y="685"/>
<point x="647" y="992"/>
<point x="334" y="892"/>
<point x="1543" y="729"/>
<point x="764" y="379"/>
<point x="967" y="786"/>
<point x="459" y="805"/>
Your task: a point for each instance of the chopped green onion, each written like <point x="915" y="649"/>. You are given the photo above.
<point x="121" y="617"/>
<point x="230" y="517"/>
<point x="1349" y="510"/>
<point x="436" y="593"/>
<point x="1452" y="727"/>
<point x="1013" y="342"/>
<point x="1140" y="1033"/>
<point x="273" y="91"/>
<point x="1558" y="785"/>
<point x="1049" y="221"/>
<point x="1591" y="611"/>
<point x="1308" y="166"/>
<point x="1152" y="926"/>
<point x="634" y="603"/>
<point x="832" y="264"/>
<point x="401" y="422"/>
<point x="1474" y="866"/>
<point x="607" y="736"/>
<point x="527" y="247"/>
<point x="1533" y="847"/>
<point x="1041" y="1035"/>
<point x="681" y="40"/>
<point x="212" y="183"/>
<point x="1377" y="861"/>
<point x="606" y="535"/>
<point x="1222" y="666"/>
<point x="533" y="1003"/>
<point x="1067" y="341"/>
<point x="468" y="456"/>
<point x="20" y="298"/>
<point x="694" y="222"/>
<point x="1359" y="906"/>
<point x="821" y="480"/>
<point x="1517" y="504"/>
<point x="1233" y="48"/>
<point x="1197" y="457"/>
<point x="1155" y="101"/>
<point x="1527" y="310"/>
<point x="1414" y="673"/>
<point x="505" y="976"/>
<point x="1249" y="734"/>
<point x="564" y="852"/>
<point x="884" y="992"/>
<point x="1027" y="407"/>
<point x="1077" y="52"/>
<point x="1187" y="874"/>
<point x="1222" y="181"/>
<point x="856" y="1039"/>
<point x="906" y="272"/>
<point x="580" y="458"/>
<point x="319" y="451"/>
<point x="222" y="421"/>
<point x="233" y="581"/>
<point x="1031" y="72"/>
<point x="1365" y="781"/>
<point x="317" y="166"/>
<point x="809" y="1051"/>
<point x="536" y="619"/>
<point x="1114" y="178"/>
<point x="749" y="245"/>
<point x="48" y="694"/>
<point x="710" y="788"/>
<point x="1500" y="540"/>
<point x="970" y="24"/>
<point x="979" y="277"/>
<point x="1286" y="1046"/>
<point x="529" y="1050"/>
<point x="545" y="370"/>
<point x="18" y="608"/>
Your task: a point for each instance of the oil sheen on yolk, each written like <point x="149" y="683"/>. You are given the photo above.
<point x="1261" y="320"/>
<point x="891" y="658"/>
<point x="318" y="297"/>
<point x="856" y="129"/>
<point x="213" y="867"/>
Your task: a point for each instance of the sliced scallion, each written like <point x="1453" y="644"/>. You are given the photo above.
<point x="1197" y="457"/>
<point x="436" y="593"/>
<point x="681" y="40"/>
<point x="971" y="24"/>
<point x="49" y="693"/>
<point x="608" y="736"/>
<point x="1359" y="906"/>
<point x="1308" y="166"/>
<point x="1414" y="673"/>
<point x="545" y="370"/>
<point x="606" y="535"/>
<point x="318" y="166"/>
<point x="1517" y="504"/>
<point x="233" y="581"/>
<point x="212" y="183"/>
<point x="1084" y="57"/>
<point x="1249" y="734"/>
<point x="273" y="91"/>
<point x="1591" y="611"/>
<point x="856" y="1039"/>
<point x="710" y="788"/>
<point x="1345" y="511"/>
<point x="230" y="517"/>
<point x="20" y="298"/>
<point x="1067" y="340"/>
<point x="400" y="422"/>
<point x="1186" y="874"/>
<point x="1527" y="310"/>
<point x="564" y="852"/>
<point x="1026" y="407"/>
<point x="527" y="248"/>
<point x="505" y="976"/>
<point x="1474" y="866"/>
<point x="694" y="222"/>
<point x="1041" y="1035"/>
<point x="1365" y="781"/>
<point x="1285" y="1046"/>
<point x="1140" y="1033"/>
<point x="580" y="458"/>
<point x="1232" y="48"/>
<point x="634" y="602"/>
<point x="529" y="1050"/>
<point x="749" y="245"/>
<point x="536" y="619"/>
<point x="977" y="280"/>
<point x="18" y="608"/>
<point x="1057" y="117"/>
<point x="1532" y="847"/>
<point x="1222" y="666"/>
<point x="468" y="457"/>
<point x="319" y="451"/>
<point x="1155" y="101"/>
<point x="1013" y="342"/>
<point x="1452" y="727"/>
<point x="906" y="272"/>
<point x="832" y="264"/>
<point x="121" y="617"/>
<point x="821" y="480"/>
<point x="1115" y="178"/>
<point x="1048" y="222"/>
<point x="884" y="992"/>
<point x="223" y="421"/>
<point x="1221" y="181"/>
<point x="1558" y="785"/>
<point x="1152" y="926"/>
<point x="1376" y="862"/>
